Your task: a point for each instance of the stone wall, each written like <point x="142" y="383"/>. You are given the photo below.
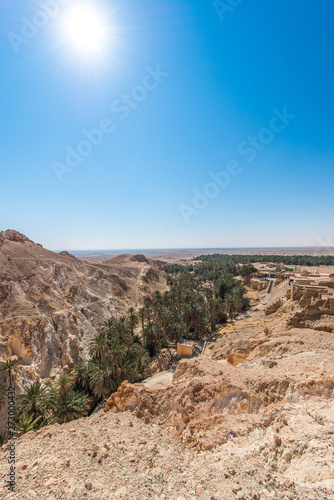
<point x="277" y="297"/>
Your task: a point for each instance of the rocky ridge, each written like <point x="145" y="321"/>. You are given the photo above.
<point x="286" y="456"/>
<point x="251" y="419"/>
<point x="51" y="305"/>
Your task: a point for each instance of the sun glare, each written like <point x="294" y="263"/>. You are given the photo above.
<point x="85" y="30"/>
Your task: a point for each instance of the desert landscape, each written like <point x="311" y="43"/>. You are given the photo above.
<point x="166" y="250"/>
<point x="249" y="416"/>
<point x="52" y="304"/>
<point x="182" y="256"/>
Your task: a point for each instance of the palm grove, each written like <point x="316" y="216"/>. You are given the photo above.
<point x="199" y="298"/>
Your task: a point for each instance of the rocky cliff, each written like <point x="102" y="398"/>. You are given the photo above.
<point x="250" y="419"/>
<point x="51" y="305"/>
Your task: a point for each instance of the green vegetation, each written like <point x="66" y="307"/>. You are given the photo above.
<point x="289" y="260"/>
<point x="200" y="297"/>
<point x="209" y="291"/>
<point x="247" y="270"/>
<point x="37" y="401"/>
<point x="3" y="395"/>
<point x="43" y="404"/>
<point x="9" y="368"/>
<point x="3" y="438"/>
<point x="26" y="424"/>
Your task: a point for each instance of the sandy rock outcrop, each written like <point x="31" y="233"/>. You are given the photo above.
<point x="260" y="429"/>
<point x="257" y="284"/>
<point x="51" y="305"/>
<point x="210" y="398"/>
<point x="286" y="455"/>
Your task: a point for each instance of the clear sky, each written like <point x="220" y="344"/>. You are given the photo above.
<point x="233" y="100"/>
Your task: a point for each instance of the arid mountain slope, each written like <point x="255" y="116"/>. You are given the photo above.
<point x="52" y="304"/>
<point x="285" y="454"/>
<point x="251" y="419"/>
<point x="263" y="405"/>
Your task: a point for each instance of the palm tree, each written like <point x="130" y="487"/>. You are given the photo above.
<point x="150" y="338"/>
<point x="122" y="330"/>
<point x="201" y="325"/>
<point x="159" y="319"/>
<point x="10" y="367"/>
<point x="108" y="327"/>
<point x="165" y="321"/>
<point x="126" y="370"/>
<point x="98" y="346"/>
<point x="187" y="314"/>
<point x="141" y="356"/>
<point x="147" y="307"/>
<point x="116" y="351"/>
<point x="177" y="330"/>
<point x="26" y="424"/>
<point x="147" y="301"/>
<point x="156" y="298"/>
<point x="101" y="379"/>
<point x="72" y="405"/>
<point x="81" y="377"/>
<point x="211" y="313"/>
<point x="37" y="400"/>
<point x="133" y="320"/>
<point x="172" y="295"/>
<point x="142" y="313"/>
<point x="208" y="293"/>
<point x="64" y="384"/>
<point x="3" y="395"/>
<point x="131" y="349"/>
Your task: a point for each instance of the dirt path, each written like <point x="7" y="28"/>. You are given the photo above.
<point x="270" y="290"/>
<point x="252" y="318"/>
<point x="159" y="381"/>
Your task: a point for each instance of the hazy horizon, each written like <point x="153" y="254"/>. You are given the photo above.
<point x="187" y="249"/>
<point x="323" y="246"/>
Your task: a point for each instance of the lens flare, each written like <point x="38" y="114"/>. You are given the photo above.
<point x="85" y="30"/>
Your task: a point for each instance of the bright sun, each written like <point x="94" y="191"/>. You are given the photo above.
<point x="85" y="30"/>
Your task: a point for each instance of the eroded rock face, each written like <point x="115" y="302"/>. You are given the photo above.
<point x="286" y="455"/>
<point x="193" y="405"/>
<point x="248" y="350"/>
<point x="11" y="235"/>
<point x="261" y="429"/>
<point x="51" y="305"/>
<point x="312" y="310"/>
<point x="209" y="399"/>
<point x="257" y="284"/>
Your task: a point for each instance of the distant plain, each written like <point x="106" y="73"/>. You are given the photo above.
<point x="184" y="255"/>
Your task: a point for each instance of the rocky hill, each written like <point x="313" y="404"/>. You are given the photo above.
<point x="199" y="440"/>
<point x="252" y="418"/>
<point x="51" y="305"/>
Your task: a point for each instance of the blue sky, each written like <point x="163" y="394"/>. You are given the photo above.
<point x="215" y="75"/>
